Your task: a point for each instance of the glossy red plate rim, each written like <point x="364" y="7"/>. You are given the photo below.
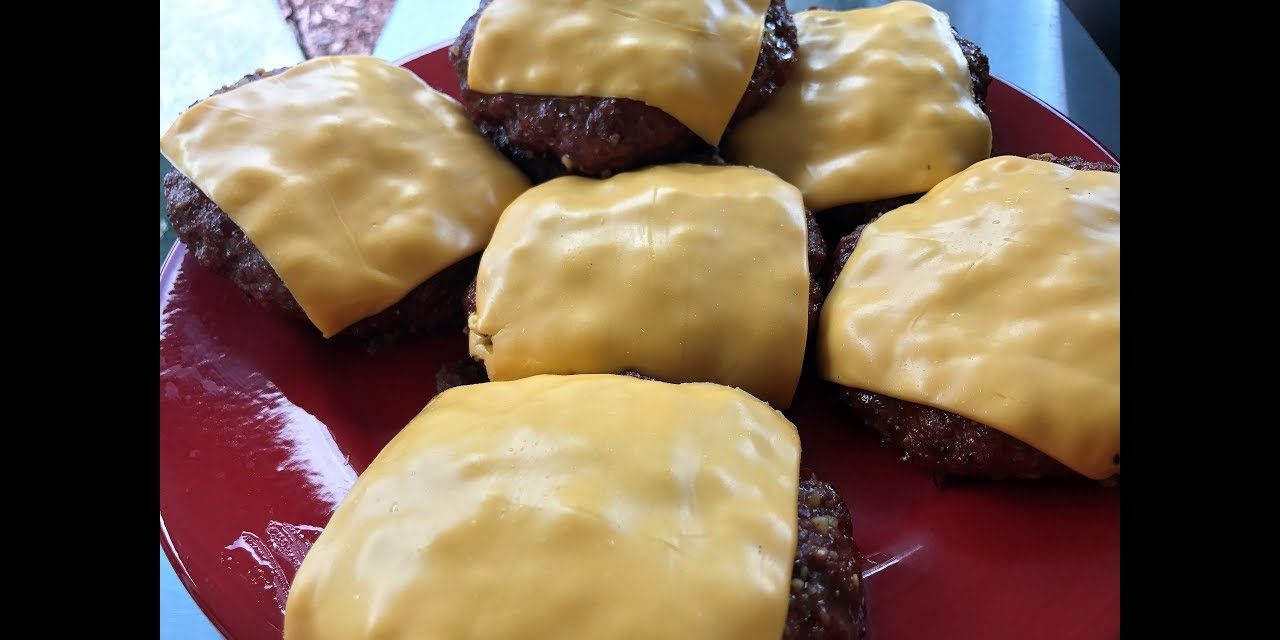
<point x="1111" y="156"/>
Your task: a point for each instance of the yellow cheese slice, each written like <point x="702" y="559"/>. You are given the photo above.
<point x="598" y="507"/>
<point x="692" y="60"/>
<point x="354" y="179"/>
<point x="880" y="105"/>
<point x="684" y="273"/>
<point x="996" y="296"/>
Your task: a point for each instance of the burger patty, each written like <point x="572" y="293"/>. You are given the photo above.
<point x="979" y="68"/>
<point x="457" y="374"/>
<point x="221" y="246"/>
<point x="827" y="598"/>
<point x="837" y="222"/>
<point x="550" y="136"/>
<point x="939" y="440"/>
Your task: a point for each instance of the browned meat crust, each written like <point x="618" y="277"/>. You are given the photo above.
<point x="549" y="136"/>
<point x="938" y="440"/>
<point x="979" y="68"/>
<point x="946" y="443"/>
<point x="843" y="250"/>
<point x="827" y="593"/>
<point x="1075" y="162"/>
<point x="221" y="246"/>
<point x="817" y="263"/>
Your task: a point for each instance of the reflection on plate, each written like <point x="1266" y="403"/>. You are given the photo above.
<point x="264" y="427"/>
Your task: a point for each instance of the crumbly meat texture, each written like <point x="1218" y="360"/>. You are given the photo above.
<point x="827" y="594"/>
<point x="222" y="247"/>
<point x="817" y="266"/>
<point x="844" y="249"/>
<point x="550" y="136"/>
<point x="939" y="440"/>
<point x="949" y="444"/>
<point x="1075" y="162"/>
<point x="979" y="68"/>
<point x="837" y="222"/>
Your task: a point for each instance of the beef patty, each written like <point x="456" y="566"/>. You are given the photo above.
<point x="550" y="136"/>
<point x="827" y="596"/>
<point x="827" y="600"/>
<point x="837" y="222"/>
<point x="221" y="246"/>
<point x="939" y="440"/>
<point x="817" y="250"/>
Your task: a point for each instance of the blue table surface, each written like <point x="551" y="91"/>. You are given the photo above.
<point x="1035" y="44"/>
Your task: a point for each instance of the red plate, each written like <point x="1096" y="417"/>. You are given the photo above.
<point x="264" y="426"/>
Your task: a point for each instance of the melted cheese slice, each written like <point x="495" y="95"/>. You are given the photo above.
<point x="880" y="106"/>
<point x="683" y="273"/>
<point x="354" y="179"/>
<point x="597" y="507"/>
<point x="692" y="60"/>
<point x="996" y="296"/>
